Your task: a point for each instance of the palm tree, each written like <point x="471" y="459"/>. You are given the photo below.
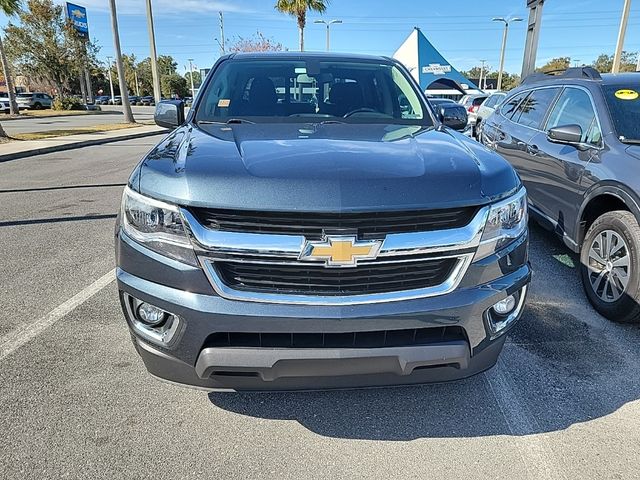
<point x="9" y="8"/>
<point x="298" y="9"/>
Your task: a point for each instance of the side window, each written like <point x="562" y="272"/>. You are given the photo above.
<point x="574" y="107"/>
<point x="490" y="102"/>
<point x="532" y="110"/>
<point x="511" y="104"/>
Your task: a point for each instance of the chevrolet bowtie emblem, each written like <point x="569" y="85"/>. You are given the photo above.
<point x="340" y="250"/>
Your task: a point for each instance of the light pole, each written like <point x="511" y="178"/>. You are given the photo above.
<point x="113" y="102"/>
<point x="328" y="24"/>
<point x="124" y="93"/>
<point x="154" y="57"/>
<point x="193" y="94"/>
<point x="615" y="68"/>
<point x="506" y="22"/>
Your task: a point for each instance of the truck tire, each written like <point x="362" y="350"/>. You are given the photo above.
<point x="610" y="266"/>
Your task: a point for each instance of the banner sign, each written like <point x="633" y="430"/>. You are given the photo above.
<point x="78" y="16"/>
<point x="436" y="69"/>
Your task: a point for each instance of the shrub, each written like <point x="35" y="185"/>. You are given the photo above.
<point x="67" y="103"/>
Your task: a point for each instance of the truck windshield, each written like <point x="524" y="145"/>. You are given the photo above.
<point x="281" y="90"/>
<point x="624" y="105"/>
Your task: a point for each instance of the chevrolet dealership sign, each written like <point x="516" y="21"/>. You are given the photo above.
<point x="78" y="17"/>
<point x="436" y="69"/>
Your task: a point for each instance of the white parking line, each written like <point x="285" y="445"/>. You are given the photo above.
<point x="538" y="459"/>
<point x="17" y="338"/>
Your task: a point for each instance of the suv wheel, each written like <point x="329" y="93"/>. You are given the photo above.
<point x="37" y="106"/>
<point x="610" y="266"/>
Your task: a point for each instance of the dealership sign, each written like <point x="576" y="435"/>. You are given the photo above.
<point x="436" y="69"/>
<point x="78" y="17"/>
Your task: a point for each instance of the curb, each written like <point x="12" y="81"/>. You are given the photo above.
<point x="71" y="146"/>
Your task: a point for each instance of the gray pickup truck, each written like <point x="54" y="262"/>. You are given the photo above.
<point x="314" y="223"/>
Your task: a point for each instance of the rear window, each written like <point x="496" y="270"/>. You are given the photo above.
<point x="277" y="90"/>
<point x="624" y="105"/>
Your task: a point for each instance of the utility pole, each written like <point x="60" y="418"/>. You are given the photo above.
<point x="124" y="93"/>
<point x="193" y="92"/>
<point x="621" y="33"/>
<point x="328" y="24"/>
<point x="222" y="51"/>
<point x="113" y="101"/>
<point x="135" y="75"/>
<point x="481" y="74"/>
<point x="154" y="57"/>
<point x="506" y="22"/>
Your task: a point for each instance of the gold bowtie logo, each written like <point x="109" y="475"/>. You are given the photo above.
<point x="340" y="251"/>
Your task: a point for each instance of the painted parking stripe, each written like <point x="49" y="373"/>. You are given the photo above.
<point x="19" y="337"/>
<point x="538" y="459"/>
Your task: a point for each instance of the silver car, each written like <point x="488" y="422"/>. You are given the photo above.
<point x="35" y="101"/>
<point x="487" y="108"/>
<point x="472" y="104"/>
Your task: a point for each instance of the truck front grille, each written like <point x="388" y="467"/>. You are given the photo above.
<point x="311" y="225"/>
<point x="368" y="339"/>
<point x="305" y="279"/>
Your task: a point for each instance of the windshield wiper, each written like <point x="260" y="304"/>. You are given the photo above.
<point x="239" y="120"/>
<point x="630" y="141"/>
<point x="227" y="122"/>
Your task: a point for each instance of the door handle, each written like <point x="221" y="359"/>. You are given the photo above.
<point x="533" y="149"/>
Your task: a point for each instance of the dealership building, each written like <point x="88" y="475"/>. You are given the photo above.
<point x="436" y="76"/>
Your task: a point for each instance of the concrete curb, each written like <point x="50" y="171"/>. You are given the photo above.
<point x="83" y="143"/>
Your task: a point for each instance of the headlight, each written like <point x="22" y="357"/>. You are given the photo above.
<point x="156" y="225"/>
<point x="507" y="220"/>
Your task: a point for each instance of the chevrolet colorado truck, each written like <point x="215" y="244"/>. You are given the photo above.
<point x="314" y="223"/>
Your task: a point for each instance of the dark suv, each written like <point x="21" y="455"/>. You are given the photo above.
<point x="313" y="223"/>
<point x="574" y="138"/>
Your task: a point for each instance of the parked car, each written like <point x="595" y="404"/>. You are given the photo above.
<point x="342" y="244"/>
<point x="117" y="100"/>
<point x="487" y="108"/>
<point x="472" y="104"/>
<point x="5" y="105"/>
<point x="148" y="100"/>
<point x="102" y="100"/>
<point x="35" y="101"/>
<point x="574" y="138"/>
<point x="133" y="99"/>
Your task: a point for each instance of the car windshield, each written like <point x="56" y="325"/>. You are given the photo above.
<point x="282" y="90"/>
<point x="624" y="105"/>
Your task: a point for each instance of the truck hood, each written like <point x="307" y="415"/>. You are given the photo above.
<point x="322" y="167"/>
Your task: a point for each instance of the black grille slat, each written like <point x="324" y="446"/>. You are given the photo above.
<point x="366" y="339"/>
<point x="318" y="280"/>
<point x="313" y="224"/>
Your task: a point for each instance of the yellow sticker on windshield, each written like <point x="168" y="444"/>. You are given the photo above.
<point x="626" y="94"/>
<point x="224" y="102"/>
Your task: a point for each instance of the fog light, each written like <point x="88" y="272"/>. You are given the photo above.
<point x="503" y="307"/>
<point x="505" y="312"/>
<point x="151" y="315"/>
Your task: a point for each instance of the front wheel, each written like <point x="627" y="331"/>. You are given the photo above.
<point x="610" y="266"/>
<point x="37" y="106"/>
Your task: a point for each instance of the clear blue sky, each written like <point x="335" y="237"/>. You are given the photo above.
<point x="461" y="29"/>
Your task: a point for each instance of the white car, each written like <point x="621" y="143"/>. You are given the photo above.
<point x="4" y="105"/>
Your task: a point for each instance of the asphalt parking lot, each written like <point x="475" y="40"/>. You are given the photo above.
<point x="76" y="401"/>
<point x="110" y="114"/>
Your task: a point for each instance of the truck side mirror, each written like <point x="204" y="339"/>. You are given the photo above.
<point x="169" y="113"/>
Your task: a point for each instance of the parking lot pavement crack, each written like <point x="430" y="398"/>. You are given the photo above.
<point x="539" y="460"/>
<point x="19" y="337"/>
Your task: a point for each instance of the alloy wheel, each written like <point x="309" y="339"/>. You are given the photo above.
<point x="609" y="265"/>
